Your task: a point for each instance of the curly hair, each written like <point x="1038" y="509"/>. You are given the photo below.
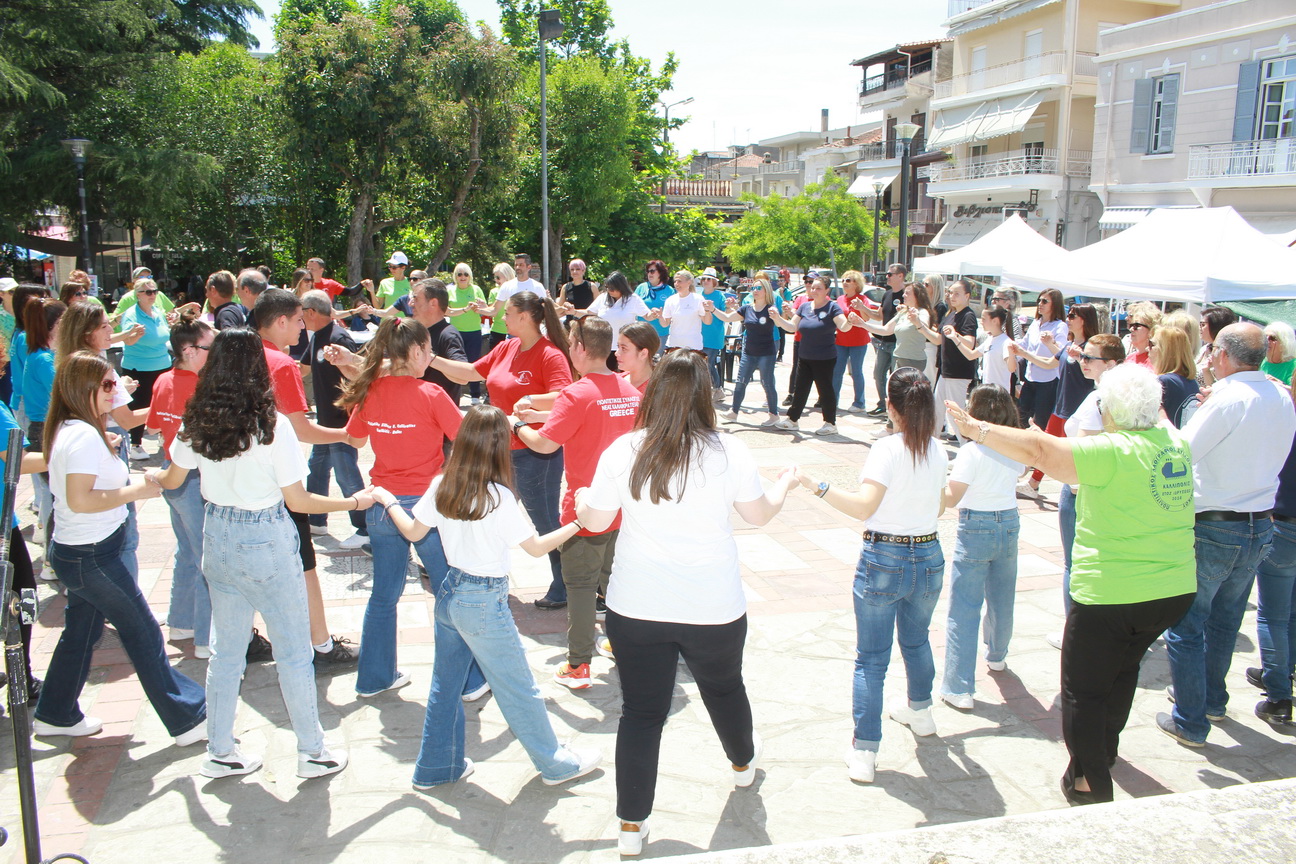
<point x="233" y="406"/>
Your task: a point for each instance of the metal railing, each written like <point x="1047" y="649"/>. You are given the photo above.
<point x="1016" y="164"/>
<point x="1242" y="159"/>
<point x="923" y="217"/>
<point x="894" y="77"/>
<point x="788" y="166"/>
<point x="958" y="7"/>
<point x="1050" y="63"/>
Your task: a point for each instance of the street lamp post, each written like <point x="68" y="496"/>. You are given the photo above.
<point x="666" y="139"/>
<point x="79" y="147"/>
<point x="551" y="27"/>
<point x="905" y="132"/>
<point x="877" y="216"/>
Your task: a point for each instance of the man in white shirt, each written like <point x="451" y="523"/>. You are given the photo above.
<point x="1239" y="440"/>
<point x="523" y="282"/>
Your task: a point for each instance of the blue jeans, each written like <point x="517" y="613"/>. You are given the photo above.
<point x="539" y="481"/>
<point x="896" y="589"/>
<point x="343" y="460"/>
<point x="1201" y="645"/>
<point x="883" y="363"/>
<point x="391" y="551"/>
<point x="251" y="563"/>
<point x="854" y="355"/>
<point x="98" y="588"/>
<point x="474" y="625"/>
<point x="747" y="368"/>
<point x="1275" y="626"/>
<point x="713" y="363"/>
<point x="1067" y="528"/>
<point x="190" y="601"/>
<point x="985" y="570"/>
<point x="472" y="342"/>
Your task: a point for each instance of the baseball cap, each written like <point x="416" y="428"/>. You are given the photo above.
<point x="140" y="272"/>
<point x="398" y="258"/>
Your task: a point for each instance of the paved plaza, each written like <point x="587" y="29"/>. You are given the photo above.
<point x="128" y="795"/>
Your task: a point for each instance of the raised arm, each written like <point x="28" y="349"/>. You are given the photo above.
<point x="1051" y="455"/>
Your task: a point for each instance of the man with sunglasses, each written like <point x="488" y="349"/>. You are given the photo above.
<point x="1240" y="439"/>
<point x="884" y="346"/>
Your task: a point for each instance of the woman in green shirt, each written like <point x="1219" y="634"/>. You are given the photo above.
<point x="1281" y="356"/>
<point x="1133" y="572"/>
<point x="468" y="322"/>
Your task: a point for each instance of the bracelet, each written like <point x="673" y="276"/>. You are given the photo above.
<point x="355" y="501"/>
<point x="579" y="527"/>
<point x="985" y="430"/>
<point x="387" y="509"/>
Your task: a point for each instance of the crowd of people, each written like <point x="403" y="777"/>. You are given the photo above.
<point x="592" y="434"/>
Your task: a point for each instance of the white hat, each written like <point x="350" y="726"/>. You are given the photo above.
<point x="139" y="272"/>
<point x="398" y="258"/>
<point x="710" y="273"/>
<point x="8" y="284"/>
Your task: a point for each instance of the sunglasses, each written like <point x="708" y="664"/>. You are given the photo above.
<point x="147" y="293"/>
<point x="1089" y="358"/>
<point x="1138" y="327"/>
<point x="1071" y="315"/>
<point x="108" y="385"/>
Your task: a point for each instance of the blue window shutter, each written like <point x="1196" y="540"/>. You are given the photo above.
<point x="1169" y="113"/>
<point x="1248" y="97"/>
<point x="1142" y="118"/>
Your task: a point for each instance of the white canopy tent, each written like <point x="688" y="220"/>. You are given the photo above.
<point x="1208" y="255"/>
<point x="1012" y="241"/>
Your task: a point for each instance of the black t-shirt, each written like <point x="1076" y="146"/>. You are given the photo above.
<point x="229" y="315"/>
<point x="758" y="331"/>
<point x="580" y="296"/>
<point x="818" y="330"/>
<point x="326" y="379"/>
<point x="952" y="362"/>
<point x="447" y="343"/>
<point x="889" y="302"/>
<point x="1073" y="389"/>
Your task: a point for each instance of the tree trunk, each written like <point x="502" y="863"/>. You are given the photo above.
<point x="357" y="235"/>
<point x="457" y="209"/>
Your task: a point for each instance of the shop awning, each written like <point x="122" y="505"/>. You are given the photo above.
<point x="957" y="233"/>
<point x="862" y="187"/>
<point x="1120" y="218"/>
<point x="956" y="125"/>
<point x="20" y="252"/>
<point x="993" y="118"/>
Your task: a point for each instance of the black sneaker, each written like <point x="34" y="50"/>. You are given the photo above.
<point x="259" y="649"/>
<point x="546" y="603"/>
<point x="1255" y="677"/>
<point x="341" y="655"/>
<point x="877" y="412"/>
<point x="600" y="608"/>
<point x="1275" y="713"/>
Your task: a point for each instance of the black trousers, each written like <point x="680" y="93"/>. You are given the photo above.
<point x="647" y="653"/>
<point x="821" y="373"/>
<point x="1037" y="402"/>
<point x="142" y="397"/>
<point x="1102" y="649"/>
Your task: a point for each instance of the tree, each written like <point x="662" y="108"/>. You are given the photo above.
<point x="585" y="26"/>
<point x="801" y="230"/>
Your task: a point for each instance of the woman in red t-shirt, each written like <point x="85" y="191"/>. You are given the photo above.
<point x="529" y="364"/>
<point x="852" y="344"/>
<point x="406" y="420"/>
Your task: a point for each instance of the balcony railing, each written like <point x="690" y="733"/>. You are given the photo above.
<point x="1012" y="165"/>
<point x="699" y="188"/>
<point x="958" y="7"/>
<point x="1051" y="63"/>
<point x="789" y="166"/>
<point x="894" y="77"/>
<point x="1242" y="159"/>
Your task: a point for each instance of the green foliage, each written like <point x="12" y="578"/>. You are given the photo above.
<point x="801" y="230"/>
<point x="433" y="17"/>
<point x="585" y="26"/>
<point x="299" y="16"/>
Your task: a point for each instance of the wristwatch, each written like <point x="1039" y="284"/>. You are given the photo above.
<point x="518" y="425"/>
<point x="822" y="489"/>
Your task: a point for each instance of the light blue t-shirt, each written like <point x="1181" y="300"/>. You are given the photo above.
<point x="38" y="382"/>
<point x="150" y="353"/>
<point x="8" y="422"/>
<point x="17" y="360"/>
<point x="713" y="334"/>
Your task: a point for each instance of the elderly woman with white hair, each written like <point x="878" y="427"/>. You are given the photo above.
<point x="1133" y="572"/>
<point x="1280" y="358"/>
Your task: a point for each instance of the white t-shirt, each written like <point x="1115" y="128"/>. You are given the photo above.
<point x="1087" y="418"/>
<point x="676" y="561"/>
<point x="482" y="547"/>
<point x="685" y="314"/>
<point x="80" y="449"/>
<point x="518" y="286"/>
<point x="990" y="477"/>
<point x="618" y="313"/>
<point x="253" y="479"/>
<point x="912" y="501"/>
<point x="995" y="365"/>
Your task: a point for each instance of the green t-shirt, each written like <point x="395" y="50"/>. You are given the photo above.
<point x="1281" y="371"/>
<point x="390" y="290"/>
<point x="1134" y="518"/>
<point x="468" y="322"/>
<point x="497" y="324"/>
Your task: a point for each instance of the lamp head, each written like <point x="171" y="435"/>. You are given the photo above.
<point x="78" y="147"/>
<point x="906" y="131"/>
<point x="551" y="25"/>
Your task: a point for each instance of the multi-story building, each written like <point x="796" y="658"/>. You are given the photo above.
<point x="1017" y="115"/>
<point x="1198" y="109"/>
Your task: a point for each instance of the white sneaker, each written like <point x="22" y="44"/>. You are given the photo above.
<point x="588" y="761"/>
<point x="996" y="665"/>
<point x="355" y="541"/>
<point x="743" y="777"/>
<point x="319" y="530"/>
<point x="961" y="701"/>
<point x="729" y="417"/>
<point x="1054" y="639"/>
<point x="861" y="765"/>
<point x="178" y="634"/>
<point x="633" y="836"/>
<point x="920" y="721"/>
<point x="193" y="736"/>
<point x="603" y="647"/>
<point x="322" y="764"/>
<point x="787" y="425"/>
<point x="402" y="678"/>
<point x="202" y="652"/>
<point x="138" y="453"/>
<point x="770" y="420"/>
<point x="229" y="765"/>
<point x="87" y="726"/>
<point x="474" y="695"/>
<point x="717" y="394"/>
<point x="826" y="429"/>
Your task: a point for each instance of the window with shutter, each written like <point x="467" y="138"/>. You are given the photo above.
<point x="1140" y="121"/>
<point x="1248" y="95"/>
<point x="1164" y="112"/>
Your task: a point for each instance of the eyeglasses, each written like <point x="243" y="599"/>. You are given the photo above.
<point x="147" y="293"/>
<point x="1137" y="326"/>
<point x="1089" y="358"/>
<point x="108" y="385"/>
<point x="1071" y="315"/>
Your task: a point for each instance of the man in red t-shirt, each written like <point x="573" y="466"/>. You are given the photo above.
<point x="278" y="314"/>
<point x="322" y="282"/>
<point x="589" y="414"/>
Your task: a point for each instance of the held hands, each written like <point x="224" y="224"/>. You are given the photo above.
<point x="152" y="475"/>
<point x="855" y="319"/>
<point x="1013" y="349"/>
<point x="1073" y="351"/>
<point x="948" y="330"/>
<point x="364" y="310"/>
<point x="339" y="356"/>
<point x="731" y="304"/>
<point x="149" y="488"/>
<point x="365" y="498"/>
<point x="1047" y="339"/>
<point x="114" y="440"/>
<point x="653" y="315"/>
<point x="707" y="307"/>
<point x="129" y="383"/>
<point x="367" y="284"/>
<point x="380" y="495"/>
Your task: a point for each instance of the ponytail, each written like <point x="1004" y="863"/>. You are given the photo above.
<point x="910" y="394"/>
<point x="395" y="339"/>
<point x="541" y="310"/>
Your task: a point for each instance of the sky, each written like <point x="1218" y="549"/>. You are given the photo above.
<point x="755" y="68"/>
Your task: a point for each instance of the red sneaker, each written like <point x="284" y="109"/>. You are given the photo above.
<point x="577" y="677"/>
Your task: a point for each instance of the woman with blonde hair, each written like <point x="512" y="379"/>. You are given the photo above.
<point x="464" y="294"/>
<point x="1172" y="360"/>
<point x="503" y="273"/>
<point x="1280" y="357"/>
<point x="936" y="288"/>
<point x="852" y="344"/>
<point x="1142" y="318"/>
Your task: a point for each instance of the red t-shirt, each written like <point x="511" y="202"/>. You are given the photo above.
<point x="286" y="380"/>
<point x="171" y="393"/>
<point x="642" y="388"/>
<point x="512" y="373"/>
<point x="856" y="336"/>
<point x="332" y="286"/>
<point x="592" y="413"/>
<point x="406" y="421"/>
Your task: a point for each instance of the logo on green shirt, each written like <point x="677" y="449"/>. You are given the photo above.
<point x="1171" y="479"/>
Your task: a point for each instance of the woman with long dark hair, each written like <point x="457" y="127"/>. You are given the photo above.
<point x="901" y="566"/>
<point x="92" y="487"/>
<point x="250" y="465"/>
<point x="42" y="320"/>
<point x="617" y="304"/>
<point x="22" y="295"/>
<point x="406" y="420"/>
<point x="474" y="507"/>
<point x="533" y="363"/>
<point x="1039" y="390"/>
<point x="675" y="589"/>
<point x="637" y="346"/>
